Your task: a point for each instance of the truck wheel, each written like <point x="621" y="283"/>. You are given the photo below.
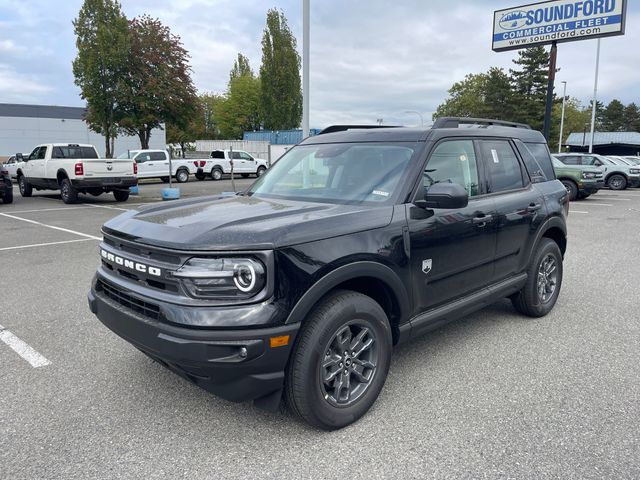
<point x="67" y="192"/>
<point x="216" y="174"/>
<point x="572" y="189"/>
<point x="8" y="196"/>
<point x="260" y="171"/>
<point x="182" y="176"/>
<point x="200" y="175"/>
<point x="544" y="279"/>
<point x="340" y="361"/>
<point x="26" y="190"/>
<point x="617" y="182"/>
<point x="121" y="195"/>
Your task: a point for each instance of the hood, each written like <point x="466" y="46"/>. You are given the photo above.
<point x="243" y="223"/>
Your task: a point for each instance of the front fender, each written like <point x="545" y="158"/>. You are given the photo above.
<point x="349" y="272"/>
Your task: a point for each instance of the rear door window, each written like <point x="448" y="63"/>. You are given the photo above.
<point x="157" y="156"/>
<point x="540" y="151"/>
<point x="502" y="166"/>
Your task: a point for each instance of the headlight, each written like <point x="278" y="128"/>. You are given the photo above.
<point x="634" y="171"/>
<point x="222" y="278"/>
<point x="588" y="175"/>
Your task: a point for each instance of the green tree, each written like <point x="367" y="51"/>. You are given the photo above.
<point x="240" y="110"/>
<point x="529" y="82"/>
<point x="613" y="117"/>
<point x="632" y="118"/>
<point x="240" y="68"/>
<point x="485" y="95"/>
<point x="158" y="87"/>
<point x="102" y="40"/>
<point x="280" y="75"/>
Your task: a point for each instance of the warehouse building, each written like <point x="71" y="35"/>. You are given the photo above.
<point x="606" y="143"/>
<point x="22" y="127"/>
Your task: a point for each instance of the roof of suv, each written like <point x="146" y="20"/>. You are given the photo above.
<point x="405" y="134"/>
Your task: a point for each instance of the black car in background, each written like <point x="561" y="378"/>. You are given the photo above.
<point x="6" y="187"/>
<point x="354" y="241"/>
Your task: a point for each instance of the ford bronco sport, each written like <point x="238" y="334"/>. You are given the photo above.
<point x="354" y="241"/>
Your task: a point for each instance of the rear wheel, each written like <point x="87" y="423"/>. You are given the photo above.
<point x="544" y="279"/>
<point x="216" y="174"/>
<point x="617" y="182"/>
<point x="340" y="360"/>
<point x="182" y="176"/>
<point x="572" y="189"/>
<point x="260" y="171"/>
<point x="26" y="190"/>
<point x="8" y="196"/>
<point x="67" y="192"/>
<point x="121" y="195"/>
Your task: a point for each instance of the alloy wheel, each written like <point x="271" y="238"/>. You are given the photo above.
<point x="547" y="280"/>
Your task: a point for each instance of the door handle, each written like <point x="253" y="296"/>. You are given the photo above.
<point x="481" y="221"/>
<point x="534" y="207"/>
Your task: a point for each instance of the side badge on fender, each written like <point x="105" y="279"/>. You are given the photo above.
<point x="426" y="266"/>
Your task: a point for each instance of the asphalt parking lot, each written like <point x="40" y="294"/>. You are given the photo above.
<point x="494" y="395"/>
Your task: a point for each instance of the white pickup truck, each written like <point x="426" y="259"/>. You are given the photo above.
<point x="243" y="163"/>
<point x="74" y="169"/>
<point x="155" y="164"/>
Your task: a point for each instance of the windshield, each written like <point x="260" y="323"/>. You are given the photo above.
<point x="338" y="173"/>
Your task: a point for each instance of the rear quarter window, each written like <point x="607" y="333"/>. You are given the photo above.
<point x="541" y="154"/>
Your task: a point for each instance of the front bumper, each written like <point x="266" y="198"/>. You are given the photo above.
<point x="590" y="187"/>
<point x="634" y="181"/>
<point x="114" y="183"/>
<point x="237" y="365"/>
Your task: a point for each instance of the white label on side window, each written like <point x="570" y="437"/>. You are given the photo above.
<point x="494" y="154"/>
<point x="380" y="192"/>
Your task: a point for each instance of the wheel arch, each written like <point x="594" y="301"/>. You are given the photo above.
<point x="555" y="229"/>
<point x="611" y="174"/>
<point x="61" y="174"/>
<point x="375" y="280"/>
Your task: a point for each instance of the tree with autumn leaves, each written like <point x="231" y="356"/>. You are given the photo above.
<point x="134" y="75"/>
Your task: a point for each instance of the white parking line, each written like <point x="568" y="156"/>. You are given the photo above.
<point x="614" y="198"/>
<point x="106" y="206"/>
<point x="51" y="226"/>
<point x="48" y="209"/>
<point x="23" y="349"/>
<point x="577" y="211"/>
<point x="598" y="204"/>
<point x="19" y="247"/>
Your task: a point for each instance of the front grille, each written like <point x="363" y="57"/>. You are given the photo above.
<point x="123" y="298"/>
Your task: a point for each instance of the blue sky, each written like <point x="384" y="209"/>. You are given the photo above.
<point x="369" y="59"/>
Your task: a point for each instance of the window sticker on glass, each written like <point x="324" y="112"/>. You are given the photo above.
<point x="381" y="193"/>
<point x="494" y="154"/>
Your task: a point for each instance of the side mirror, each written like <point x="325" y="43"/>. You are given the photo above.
<point x="445" y="195"/>
<point x="19" y="157"/>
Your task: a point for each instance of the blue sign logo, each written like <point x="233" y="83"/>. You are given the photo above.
<point x="513" y="20"/>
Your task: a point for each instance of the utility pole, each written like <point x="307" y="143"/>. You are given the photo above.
<point x="595" y="99"/>
<point x="552" y="77"/>
<point x="305" y="68"/>
<point x="564" y="100"/>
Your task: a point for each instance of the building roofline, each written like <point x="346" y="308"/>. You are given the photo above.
<point x="20" y="110"/>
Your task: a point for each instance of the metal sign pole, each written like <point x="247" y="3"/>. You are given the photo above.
<point x="305" y="68"/>
<point x="233" y="182"/>
<point x="564" y="101"/>
<point x="550" y="84"/>
<point x="595" y="99"/>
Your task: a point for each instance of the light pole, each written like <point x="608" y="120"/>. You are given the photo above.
<point x="564" y="99"/>
<point x="305" y="68"/>
<point x="595" y="99"/>
<point x="417" y="113"/>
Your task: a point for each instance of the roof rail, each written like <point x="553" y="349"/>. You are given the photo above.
<point x="455" y="122"/>
<point x="342" y="128"/>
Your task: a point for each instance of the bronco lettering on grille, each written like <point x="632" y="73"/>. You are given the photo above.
<point x="130" y="264"/>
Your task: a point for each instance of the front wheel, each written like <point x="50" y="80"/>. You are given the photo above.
<point x="121" y="195"/>
<point x="544" y="279"/>
<point x="8" y="196"/>
<point x="67" y="192"/>
<point x="260" y="171"/>
<point x="26" y="190"/>
<point x="340" y="360"/>
<point x="216" y="174"/>
<point x="617" y="182"/>
<point x="182" y="176"/>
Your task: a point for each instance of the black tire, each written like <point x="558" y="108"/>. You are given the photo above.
<point x="617" y="182"/>
<point x="572" y="189"/>
<point x="529" y="301"/>
<point x="200" y="175"/>
<point x="121" y="195"/>
<point x="26" y="190"/>
<point x="67" y="192"/>
<point x="318" y="343"/>
<point x="216" y="174"/>
<point x="8" y="196"/>
<point x="244" y="175"/>
<point x="182" y="176"/>
<point x="165" y="179"/>
<point x="260" y="171"/>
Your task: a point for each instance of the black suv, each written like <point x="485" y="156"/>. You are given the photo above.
<point x="6" y="188"/>
<point x="354" y="241"/>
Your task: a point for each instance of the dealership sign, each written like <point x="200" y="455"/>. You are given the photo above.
<point x="559" y="21"/>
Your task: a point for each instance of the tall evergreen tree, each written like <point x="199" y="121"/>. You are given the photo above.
<point x="280" y="75"/>
<point x="613" y="116"/>
<point x="102" y="40"/>
<point x="529" y="81"/>
<point x="632" y="118"/>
